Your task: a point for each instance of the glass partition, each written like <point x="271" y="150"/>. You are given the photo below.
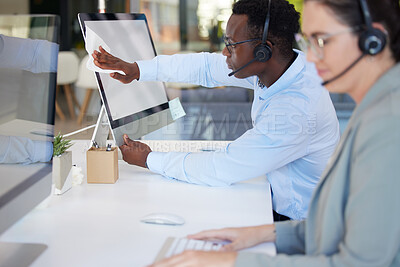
<point x="28" y="69"/>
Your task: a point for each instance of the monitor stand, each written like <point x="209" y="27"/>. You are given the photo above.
<point x="102" y="129"/>
<point x="19" y="254"/>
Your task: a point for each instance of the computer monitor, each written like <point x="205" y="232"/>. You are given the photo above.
<point x="28" y="71"/>
<point x="137" y="108"/>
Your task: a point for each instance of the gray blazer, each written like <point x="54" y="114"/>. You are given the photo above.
<point x="354" y="215"/>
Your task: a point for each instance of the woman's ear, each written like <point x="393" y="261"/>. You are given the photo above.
<point x="379" y="26"/>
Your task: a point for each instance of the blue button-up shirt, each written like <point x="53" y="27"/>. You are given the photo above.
<point x="295" y="131"/>
<point x="15" y="149"/>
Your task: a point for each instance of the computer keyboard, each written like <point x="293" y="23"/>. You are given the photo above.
<point x="185" y="145"/>
<point x="174" y="246"/>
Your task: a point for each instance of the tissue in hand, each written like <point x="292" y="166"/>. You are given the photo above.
<point x="92" y="42"/>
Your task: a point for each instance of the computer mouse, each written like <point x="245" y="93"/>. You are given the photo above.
<point x="163" y="218"/>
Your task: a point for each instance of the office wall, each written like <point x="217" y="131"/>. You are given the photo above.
<point x="14" y="7"/>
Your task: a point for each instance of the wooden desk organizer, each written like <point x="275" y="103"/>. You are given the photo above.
<point x="102" y="165"/>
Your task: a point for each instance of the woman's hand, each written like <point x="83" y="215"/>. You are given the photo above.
<point x="240" y="238"/>
<point x="192" y="258"/>
<point x="105" y="60"/>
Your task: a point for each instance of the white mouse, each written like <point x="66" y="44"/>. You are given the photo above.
<point x="163" y="218"/>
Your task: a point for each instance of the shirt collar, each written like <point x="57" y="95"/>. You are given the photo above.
<point x="287" y="78"/>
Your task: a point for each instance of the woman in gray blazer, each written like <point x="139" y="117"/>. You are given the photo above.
<point x="354" y="215"/>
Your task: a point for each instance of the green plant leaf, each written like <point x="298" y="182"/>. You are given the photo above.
<point x="60" y="145"/>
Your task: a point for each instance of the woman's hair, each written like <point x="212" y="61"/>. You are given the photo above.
<point x="387" y="12"/>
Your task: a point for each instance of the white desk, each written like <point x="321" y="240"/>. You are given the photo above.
<point x="98" y="224"/>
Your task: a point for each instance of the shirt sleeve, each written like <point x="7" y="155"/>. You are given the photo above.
<point x="372" y="231"/>
<point x="205" y="69"/>
<point x="28" y="54"/>
<point x="24" y="150"/>
<point x="290" y="237"/>
<point x="271" y="144"/>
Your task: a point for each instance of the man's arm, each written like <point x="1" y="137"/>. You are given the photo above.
<point x="14" y="149"/>
<point x="28" y="54"/>
<point x="205" y="69"/>
<point x="274" y="142"/>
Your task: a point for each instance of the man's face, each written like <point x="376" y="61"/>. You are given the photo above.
<point x="236" y="31"/>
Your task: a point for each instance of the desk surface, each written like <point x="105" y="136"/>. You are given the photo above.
<point x="99" y="224"/>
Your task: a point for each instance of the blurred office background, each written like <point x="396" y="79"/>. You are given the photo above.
<point x="177" y="26"/>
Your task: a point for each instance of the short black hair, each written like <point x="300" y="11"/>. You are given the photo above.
<point x="283" y="24"/>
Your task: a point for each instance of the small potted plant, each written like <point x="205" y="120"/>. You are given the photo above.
<point x="62" y="164"/>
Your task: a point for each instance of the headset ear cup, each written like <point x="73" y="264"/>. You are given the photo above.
<point x="262" y="53"/>
<point x="372" y="41"/>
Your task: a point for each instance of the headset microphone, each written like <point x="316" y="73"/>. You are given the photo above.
<point x="343" y="72"/>
<point x="262" y="52"/>
<point x="242" y="67"/>
<point x="371" y="42"/>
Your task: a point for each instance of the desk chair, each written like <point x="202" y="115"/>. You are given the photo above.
<point x="86" y="79"/>
<point x="68" y="63"/>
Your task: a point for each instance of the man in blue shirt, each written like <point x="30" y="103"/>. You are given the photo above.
<point x="295" y="128"/>
<point x="32" y="56"/>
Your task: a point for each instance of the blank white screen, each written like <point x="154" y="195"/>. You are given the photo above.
<point x="130" y="41"/>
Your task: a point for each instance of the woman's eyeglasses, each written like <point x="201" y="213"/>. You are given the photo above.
<point x="317" y="42"/>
